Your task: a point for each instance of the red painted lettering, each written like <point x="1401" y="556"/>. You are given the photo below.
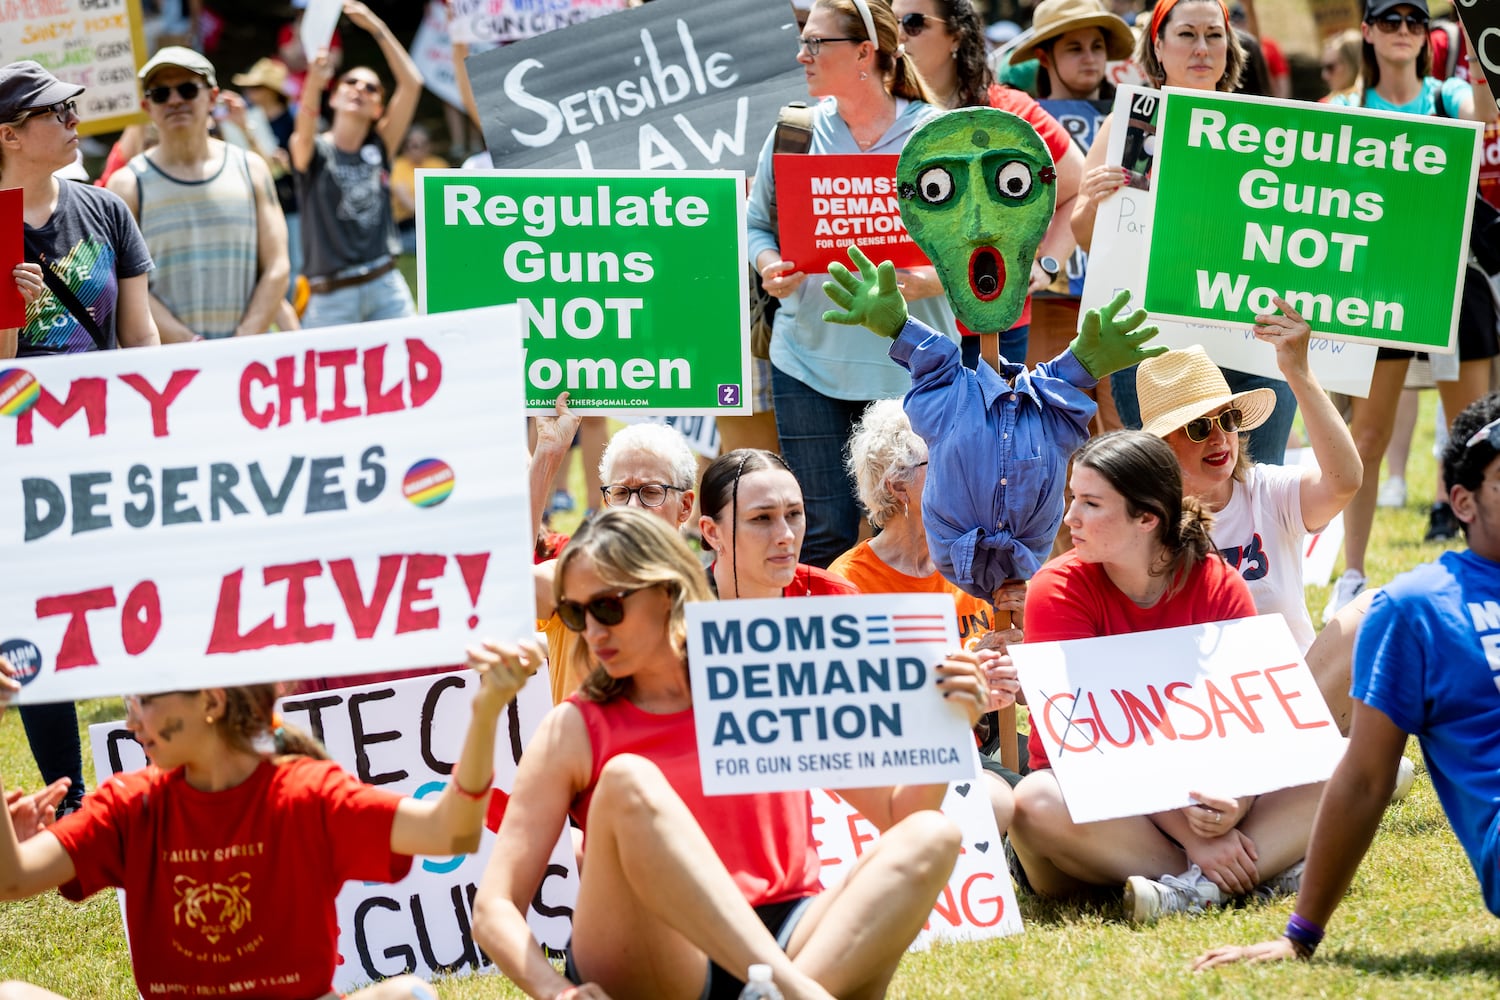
<point x="1286" y="698"/>
<point x="994" y="905"/>
<point x="1146" y="717"/>
<point x="159" y="401"/>
<point x="365" y="615"/>
<point x="1171" y="694"/>
<point x="1220" y="705"/>
<point x="1246" y="700"/>
<point x="339" y="361"/>
<point x="1104" y="730"/>
<point x="858" y="837"/>
<point x="76" y="649"/>
<point x="419" y="569"/>
<point x="255" y="374"/>
<point x="376" y="399"/>
<point x="140" y="620"/>
<point x="424" y="370"/>
<point x="84" y="394"/>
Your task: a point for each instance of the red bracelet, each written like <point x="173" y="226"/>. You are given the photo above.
<point x="473" y="796"/>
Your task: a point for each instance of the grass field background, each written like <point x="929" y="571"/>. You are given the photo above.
<point x="1413" y="925"/>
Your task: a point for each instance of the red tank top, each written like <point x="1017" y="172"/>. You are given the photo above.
<point x="765" y="839"/>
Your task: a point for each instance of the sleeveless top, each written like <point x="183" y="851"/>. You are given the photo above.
<point x="764" y="839"/>
<point x="204" y="239"/>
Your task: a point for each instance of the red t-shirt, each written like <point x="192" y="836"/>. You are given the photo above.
<point x="764" y="839"/>
<point x="810" y="581"/>
<point x="1072" y="599"/>
<point x="233" y="891"/>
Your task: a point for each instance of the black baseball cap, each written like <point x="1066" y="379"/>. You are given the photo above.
<point x="25" y="85"/>
<point x="1377" y="8"/>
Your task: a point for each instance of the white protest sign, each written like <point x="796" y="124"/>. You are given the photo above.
<point x="339" y="501"/>
<point x="1120" y="251"/>
<point x="318" y="23"/>
<point x="432" y="51"/>
<point x="824" y="691"/>
<point x="404" y="736"/>
<point x="979" y="900"/>
<point x="96" y="44"/>
<point x="1227" y="708"/>
<point x="492" y="21"/>
<point x="1321" y="550"/>
<point x="701" y="431"/>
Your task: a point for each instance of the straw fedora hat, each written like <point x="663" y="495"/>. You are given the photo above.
<point x="1058" y="17"/>
<point x="267" y="72"/>
<point x="1179" y="386"/>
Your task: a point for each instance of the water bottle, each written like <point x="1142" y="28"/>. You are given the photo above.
<point x="760" y="986"/>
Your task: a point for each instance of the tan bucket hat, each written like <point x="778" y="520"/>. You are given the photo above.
<point x="1179" y="386"/>
<point x="1058" y="17"/>
<point x="267" y="72"/>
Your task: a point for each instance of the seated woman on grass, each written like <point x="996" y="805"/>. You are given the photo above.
<point x="1143" y="560"/>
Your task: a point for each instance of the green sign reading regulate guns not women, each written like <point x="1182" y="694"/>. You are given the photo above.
<point x="1359" y="219"/>
<point x="631" y="285"/>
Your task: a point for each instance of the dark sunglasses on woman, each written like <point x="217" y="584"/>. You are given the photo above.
<point x="1391" y="23"/>
<point x="915" y="23"/>
<point x="1199" y="429"/>
<point x="607" y="609"/>
<point x="187" y="90"/>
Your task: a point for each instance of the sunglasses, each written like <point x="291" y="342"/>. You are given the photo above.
<point x="187" y="91"/>
<point x="651" y="494"/>
<point x="607" y="609"/>
<point x="1198" y="430"/>
<point x="62" y="109"/>
<point x="814" y="45"/>
<point x="362" y="85"/>
<point x="914" y="23"/>
<point x="1391" y="23"/>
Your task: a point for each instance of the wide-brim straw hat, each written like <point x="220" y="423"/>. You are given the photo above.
<point x="1179" y="386"/>
<point x="1058" y="17"/>
<point x="267" y="72"/>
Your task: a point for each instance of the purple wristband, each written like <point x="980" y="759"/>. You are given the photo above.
<point x="1304" y="935"/>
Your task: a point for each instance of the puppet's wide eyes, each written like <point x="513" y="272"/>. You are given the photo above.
<point x="1013" y="180"/>
<point x="935" y="185"/>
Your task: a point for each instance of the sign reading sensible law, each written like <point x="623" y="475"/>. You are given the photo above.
<point x="1318" y="205"/>
<point x="341" y="501"/>
<point x="631" y="285"/>
<point x="671" y="85"/>
<point x="825" y="203"/>
<point x="1225" y="709"/>
<point x="404" y="737"/>
<point x="97" y="44"/>
<point x="824" y="692"/>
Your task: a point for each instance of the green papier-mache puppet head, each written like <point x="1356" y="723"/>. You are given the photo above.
<point x="977" y="190"/>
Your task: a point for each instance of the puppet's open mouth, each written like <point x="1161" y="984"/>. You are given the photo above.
<point x="986" y="273"/>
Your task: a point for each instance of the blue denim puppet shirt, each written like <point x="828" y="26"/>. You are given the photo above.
<point x="998" y="448"/>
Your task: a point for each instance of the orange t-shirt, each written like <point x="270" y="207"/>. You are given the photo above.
<point x="867" y="571"/>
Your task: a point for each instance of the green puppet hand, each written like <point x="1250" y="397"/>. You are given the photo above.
<point x="1106" y="344"/>
<point x="871" y="300"/>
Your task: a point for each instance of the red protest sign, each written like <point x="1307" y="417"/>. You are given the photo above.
<point x="12" y="306"/>
<point x="825" y="203"/>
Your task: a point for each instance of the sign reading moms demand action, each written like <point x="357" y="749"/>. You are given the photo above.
<point x="339" y="501"/>
<point x="672" y="85"/>
<point x="824" y="692"/>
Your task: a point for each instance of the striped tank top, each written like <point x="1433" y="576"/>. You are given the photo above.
<point x="202" y="235"/>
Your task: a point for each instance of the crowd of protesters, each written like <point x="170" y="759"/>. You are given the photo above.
<point x="288" y="205"/>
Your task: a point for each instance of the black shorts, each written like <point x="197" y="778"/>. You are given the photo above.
<point x="1477" y="338"/>
<point x="781" y="920"/>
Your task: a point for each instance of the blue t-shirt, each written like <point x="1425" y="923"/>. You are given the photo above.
<point x="1453" y="90"/>
<point x="1428" y="656"/>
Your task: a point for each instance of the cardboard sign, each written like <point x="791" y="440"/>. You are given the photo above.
<point x="979" y="900"/>
<point x="1082" y="120"/>
<point x="671" y="85"/>
<point x="1482" y="21"/>
<point x="501" y="21"/>
<point x="432" y="51"/>
<point x="631" y="285"/>
<point x="824" y="691"/>
<point x="318" y="23"/>
<point x="1319" y="205"/>
<point x="97" y="44"/>
<point x="1122" y="244"/>
<point x="1333" y="16"/>
<point x="12" y="252"/>
<point x="1226" y="709"/>
<point x="338" y="501"/>
<point x="404" y="736"/>
<point x="826" y="203"/>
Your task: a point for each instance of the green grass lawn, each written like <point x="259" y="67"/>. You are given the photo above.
<point x="1413" y="924"/>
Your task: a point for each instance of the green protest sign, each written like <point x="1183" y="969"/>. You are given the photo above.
<point x="1359" y="219"/>
<point x="631" y="284"/>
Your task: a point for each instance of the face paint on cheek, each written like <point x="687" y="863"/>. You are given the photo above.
<point x="170" y="728"/>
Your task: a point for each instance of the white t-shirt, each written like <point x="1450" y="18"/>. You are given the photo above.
<point x="1260" y="533"/>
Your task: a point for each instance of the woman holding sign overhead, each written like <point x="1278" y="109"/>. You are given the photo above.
<point x="1189" y="44"/>
<point x="233" y="843"/>
<point x="1396" y="66"/>
<point x="680" y="893"/>
<point x="1143" y="560"/>
<point x="822" y="375"/>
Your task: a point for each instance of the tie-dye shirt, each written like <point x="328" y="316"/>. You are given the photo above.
<point x="91" y="242"/>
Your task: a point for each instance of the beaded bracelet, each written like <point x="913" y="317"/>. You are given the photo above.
<point x="479" y="796"/>
<point x="1304" y="935"/>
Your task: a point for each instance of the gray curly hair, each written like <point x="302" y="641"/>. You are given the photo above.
<point x="883" y="449"/>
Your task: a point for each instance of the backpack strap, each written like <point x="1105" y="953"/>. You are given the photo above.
<point x="794" y="130"/>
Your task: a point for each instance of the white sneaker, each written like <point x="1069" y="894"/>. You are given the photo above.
<point x="1392" y="493"/>
<point x="1285" y="883"/>
<point x="1191" y="892"/>
<point x="1406" y="776"/>
<point x="1345" y="589"/>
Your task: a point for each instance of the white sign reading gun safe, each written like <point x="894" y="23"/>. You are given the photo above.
<point x="824" y="692"/>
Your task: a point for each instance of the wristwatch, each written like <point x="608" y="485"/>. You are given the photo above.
<point x="1050" y="265"/>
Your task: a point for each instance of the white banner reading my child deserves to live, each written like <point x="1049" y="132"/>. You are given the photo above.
<point x="405" y="736"/>
<point x="824" y="692"/>
<point x="1227" y="708"/>
<point x="341" y="501"/>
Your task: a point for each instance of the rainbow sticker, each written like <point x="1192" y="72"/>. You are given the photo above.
<point x="428" y="483"/>
<point x="19" y="390"/>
